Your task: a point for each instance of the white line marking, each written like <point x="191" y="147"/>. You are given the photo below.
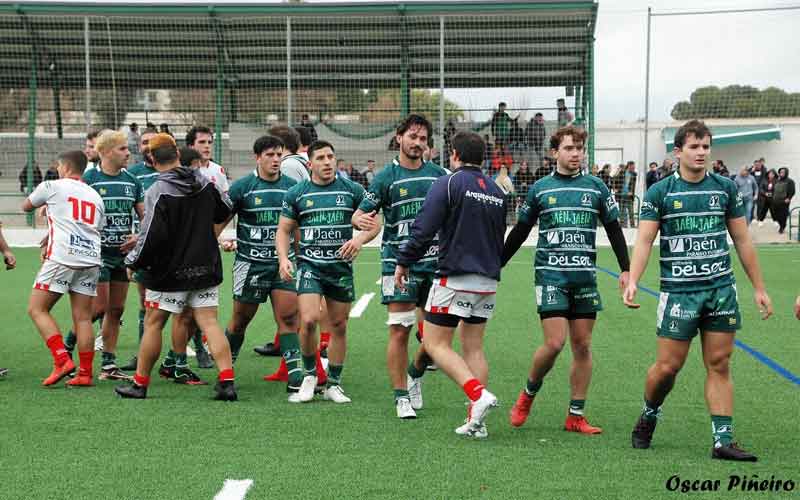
<point x="361" y="305"/>
<point x="234" y="489"/>
<point x="379" y="281"/>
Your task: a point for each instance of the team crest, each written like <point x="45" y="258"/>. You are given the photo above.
<point x="713" y="201"/>
<point x="551" y="298"/>
<point x="309" y="234"/>
<point x="673" y="326"/>
<point x="732" y="321"/>
<point x="339" y="200"/>
<point x="128" y="191"/>
<point x="309" y="203"/>
<point x="403" y="192"/>
<point x="675" y="311"/>
<point x="482" y="184"/>
<point x="586" y="199"/>
<point x="677" y="204"/>
<point x="551" y="200"/>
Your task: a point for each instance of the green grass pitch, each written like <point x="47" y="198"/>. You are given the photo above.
<point x="178" y="444"/>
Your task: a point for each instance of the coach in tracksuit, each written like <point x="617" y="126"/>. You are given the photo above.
<point x="467" y="210"/>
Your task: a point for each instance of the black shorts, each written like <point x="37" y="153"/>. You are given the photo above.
<point x="569" y="315"/>
<point x="451" y="320"/>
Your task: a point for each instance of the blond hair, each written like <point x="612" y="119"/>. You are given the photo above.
<point x="109" y="139"/>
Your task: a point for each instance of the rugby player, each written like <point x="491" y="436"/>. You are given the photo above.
<point x="695" y="210"/>
<point x="399" y="190"/>
<point x="467" y="210"/>
<point x="90" y="151"/>
<point x="178" y="254"/>
<point x="321" y="208"/>
<point x="72" y="260"/>
<point x="569" y="206"/>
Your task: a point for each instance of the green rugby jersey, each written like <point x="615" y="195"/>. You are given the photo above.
<point x="258" y="203"/>
<point x="399" y="192"/>
<point x="146" y="174"/>
<point x="323" y="214"/>
<point x="120" y="194"/>
<point x="568" y="209"/>
<point x="694" y="234"/>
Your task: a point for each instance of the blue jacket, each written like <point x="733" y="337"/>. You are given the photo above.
<point x="467" y="209"/>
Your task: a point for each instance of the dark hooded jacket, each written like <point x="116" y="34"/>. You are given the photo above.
<point x="177" y="249"/>
<point x="784" y="186"/>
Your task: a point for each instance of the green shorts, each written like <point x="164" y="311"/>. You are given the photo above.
<point x="336" y="286"/>
<point x="569" y="300"/>
<point x="253" y="283"/>
<point x="417" y="289"/>
<point x="681" y="315"/>
<point x="113" y="273"/>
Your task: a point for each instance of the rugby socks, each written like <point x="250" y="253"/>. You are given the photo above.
<point x="108" y="360"/>
<point x="57" y="349"/>
<point x="141" y="324"/>
<point x="420" y="330"/>
<point x="576" y="407"/>
<point x="415" y="372"/>
<point x="179" y="361"/>
<point x="169" y="359"/>
<point x="235" y="340"/>
<point x="141" y="380"/>
<point x="473" y="389"/>
<point x="531" y="388"/>
<point x="86" y="360"/>
<point x="197" y="338"/>
<point x="309" y="365"/>
<point x="290" y="353"/>
<point x="651" y="411"/>
<point x="400" y="393"/>
<point x="226" y="375"/>
<point x="70" y="341"/>
<point x="335" y="374"/>
<point x="722" y="430"/>
<point x="324" y="340"/>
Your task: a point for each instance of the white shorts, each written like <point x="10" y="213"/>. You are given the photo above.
<point x="58" y="278"/>
<point x="465" y="304"/>
<point x="176" y="302"/>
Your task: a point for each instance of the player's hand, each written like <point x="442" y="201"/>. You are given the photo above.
<point x="629" y="295"/>
<point x="130" y="242"/>
<point x="10" y="260"/>
<point x="286" y="270"/>
<point x="624" y="278"/>
<point x="764" y="303"/>
<point x="349" y="250"/>
<point x="401" y="277"/>
<point x="367" y="221"/>
<point x="129" y="272"/>
<point x="228" y="245"/>
<point x="797" y="308"/>
<point x="43" y="249"/>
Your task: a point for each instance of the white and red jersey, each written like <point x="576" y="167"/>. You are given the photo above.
<point x="75" y="215"/>
<point x="215" y="174"/>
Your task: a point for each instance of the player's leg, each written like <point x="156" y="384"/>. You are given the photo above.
<point x="131" y="364"/>
<point x="243" y="314"/>
<point x="308" y="304"/>
<point x="39" y="306"/>
<point x="284" y="310"/>
<point x="324" y="326"/>
<point x="338" y="312"/>
<point x="99" y="305"/>
<point x="176" y="364"/>
<point x="155" y="318"/>
<point x="401" y="318"/>
<point x="117" y="294"/>
<point x="580" y="337"/>
<point x="205" y="315"/>
<point x="81" y="306"/>
<point x="472" y="349"/>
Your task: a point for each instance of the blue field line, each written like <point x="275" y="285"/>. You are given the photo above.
<point x="763" y="358"/>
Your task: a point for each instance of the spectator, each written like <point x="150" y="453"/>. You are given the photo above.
<point x="544" y="170"/>
<point x="23" y="178"/>
<point x="758" y="171"/>
<point x="52" y="171"/>
<point x="782" y="198"/>
<point x="133" y="142"/>
<point x="516" y="136"/>
<point x="449" y="131"/>
<point x="306" y="122"/>
<point x="766" y="190"/>
<point x="720" y="168"/>
<point x="748" y="188"/>
<point x="666" y="169"/>
<point x="341" y="169"/>
<point x="487" y="154"/>
<point x="357" y="176"/>
<point x="652" y="175"/>
<point x="523" y="179"/>
<point x="505" y="183"/>
<point x="595" y="170"/>
<point x="500" y="124"/>
<point x="500" y="157"/>
<point x="370" y="174"/>
<point x="605" y="175"/>
<point x="164" y="129"/>
<point x="535" y="133"/>
<point x="627" y="190"/>
<point x="564" y="116"/>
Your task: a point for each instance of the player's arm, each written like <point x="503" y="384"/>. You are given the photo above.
<point x="647" y="232"/>
<point x="617" y="239"/>
<point x="8" y="256"/>
<point x="365" y="217"/>
<point x="350" y="250"/>
<point x="528" y="214"/>
<point x="130" y="242"/>
<point x="737" y="227"/>
<point x="286" y="227"/>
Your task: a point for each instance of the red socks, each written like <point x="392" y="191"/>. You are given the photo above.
<point x="473" y="389"/>
<point x="86" y="359"/>
<point x="141" y="380"/>
<point x="226" y="375"/>
<point x="57" y="349"/>
<point x="324" y="340"/>
<point x="419" y="329"/>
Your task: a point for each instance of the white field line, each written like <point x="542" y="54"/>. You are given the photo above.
<point x="234" y="489"/>
<point x="361" y="305"/>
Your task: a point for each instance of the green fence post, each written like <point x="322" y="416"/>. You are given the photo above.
<point x="32" y="87"/>
<point x="220" y="100"/>
<point x="405" y="88"/>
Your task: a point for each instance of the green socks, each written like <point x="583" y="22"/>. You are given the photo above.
<point x="309" y="364"/>
<point x="70" y="341"/>
<point x="235" y="340"/>
<point x="651" y="411"/>
<point x="413" y="372"/>
<point x="108" y="360"/>
<point x="169" y="359"/>
<point x="198" y="340"/>
<point x="400" y="393"/>
<point x="290" y="350"/>
<point x="180" y="360"/>
<point x="335" y="374"/>
<point x="531" y="387"/>
<point x="576" y="407"/>
<point x="722" y="430"/>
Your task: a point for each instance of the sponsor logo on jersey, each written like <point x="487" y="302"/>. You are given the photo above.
<point x="309" y="203"/>
<point x="673" y="326"/>
<point x="695" y="270"/>
<point x="255" y="233"/>
<point x="257" y="201"/>
<point x="569" y="260"/>
<point x="586" y="199"/>
<point x="403" y="192"/>
<point x="566" y="238"/>
<point x="371" y="197"/>
<point x="551" y="298"/>
<point x="102" y="191"/>
<point x="677" y="204"/>
<point x="611" y="203"/>
<point x="128" y="191"/>
<point x="482" y="184"/>
<point x="464" y="304"/>
<point x="484" y="198"/>
<point x="254" y="281"/>
<point x="646" y="205"/>
<point x="675" y="311"/>
<point x="266" y="253"/>
<point x="308" y="234"/>
<point x="693" y="247"/>
<point x="79" y="241"/>
<point x="731" y="321"/>
<point x="211" y="294"/>
<point x="551" y="200"/>
<point x="713" y="201"/>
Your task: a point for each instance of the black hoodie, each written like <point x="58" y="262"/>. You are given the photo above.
<point x="177" y="249"/>
<point x="784" y="186"/>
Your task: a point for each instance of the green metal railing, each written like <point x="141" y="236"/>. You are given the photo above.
<point x="791" y="214"/>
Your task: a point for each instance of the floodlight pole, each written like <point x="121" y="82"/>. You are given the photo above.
<point x="289" y="71"/>
<point x="647" y="90"/>
<point x="88" y="117"/>
<point x="441" y="85"/>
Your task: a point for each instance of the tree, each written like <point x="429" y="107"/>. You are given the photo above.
<point x="737" y="101"/>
